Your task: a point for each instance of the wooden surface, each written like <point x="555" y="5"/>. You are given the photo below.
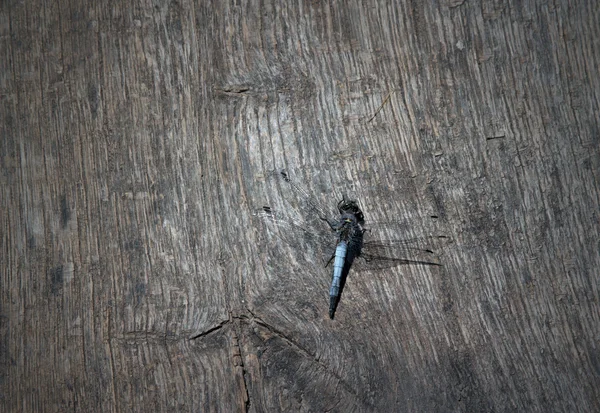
<point x="133" y="141"/>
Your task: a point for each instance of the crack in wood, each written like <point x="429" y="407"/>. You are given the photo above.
<point x="238" y="352"/>
<point x="497" y="136"/>
<point x="381" y="106"/>
<point x="211" y="330"/>
<point x="233" y="90"/>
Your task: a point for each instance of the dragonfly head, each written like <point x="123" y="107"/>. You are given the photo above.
<point x="346" y="206"/>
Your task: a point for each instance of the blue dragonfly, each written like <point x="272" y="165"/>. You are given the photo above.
<point x="346" y="239"/>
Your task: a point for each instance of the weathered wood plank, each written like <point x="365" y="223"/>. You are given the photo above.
<point x="134" y="141"/>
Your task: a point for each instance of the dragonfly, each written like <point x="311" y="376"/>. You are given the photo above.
<point x="346" y="239"/>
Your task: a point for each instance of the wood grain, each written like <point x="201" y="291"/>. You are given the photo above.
<point x="134" y="141"/>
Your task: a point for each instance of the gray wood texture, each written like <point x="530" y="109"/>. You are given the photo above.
<point x="134" y="138"/>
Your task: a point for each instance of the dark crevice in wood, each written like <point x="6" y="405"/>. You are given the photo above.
<point x="499" y="136"/>
<point x="381" y="106"/>
<point x="210" y="330"/>
<point x="233" y="90"/>
<point x="236" y="331"/>
<point x="244" y="373"/>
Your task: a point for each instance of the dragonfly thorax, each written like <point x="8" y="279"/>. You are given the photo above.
<point x="349" y="229"/>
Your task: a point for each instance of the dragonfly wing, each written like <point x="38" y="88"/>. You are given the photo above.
<point x="390" y="253"/>
<point x="297" y="234"/>
<point x="311" y="210"/>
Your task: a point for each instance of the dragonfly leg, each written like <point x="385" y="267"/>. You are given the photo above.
<point x="333" y="224"/>
<point x="330" y="259"/>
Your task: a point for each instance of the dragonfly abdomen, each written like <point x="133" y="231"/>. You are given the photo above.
<point x="338" y="265"/>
